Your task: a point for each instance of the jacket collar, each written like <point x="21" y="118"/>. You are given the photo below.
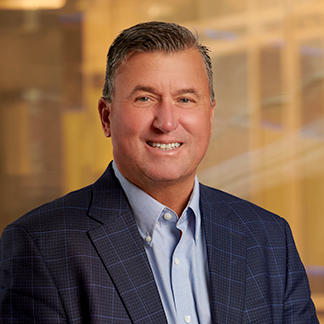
<point x="119" y="246"/>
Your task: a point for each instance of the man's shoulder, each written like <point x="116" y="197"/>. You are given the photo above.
<point x="70" y="205"/>
<point x="236" y="208"/>
<point x="74" y="199"/>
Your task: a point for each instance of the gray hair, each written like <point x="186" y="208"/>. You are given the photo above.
<point x="152" y="37"/>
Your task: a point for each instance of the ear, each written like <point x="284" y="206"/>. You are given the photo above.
<point x="212" y="116"/>
<point x="104" y="112"/>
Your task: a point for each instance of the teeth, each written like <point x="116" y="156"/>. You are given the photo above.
<point x="164" y="147"/>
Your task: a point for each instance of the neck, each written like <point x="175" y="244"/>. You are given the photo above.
<point x="174" y="196"/>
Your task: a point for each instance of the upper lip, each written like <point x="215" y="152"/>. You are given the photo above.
<point x="163" y="142"/>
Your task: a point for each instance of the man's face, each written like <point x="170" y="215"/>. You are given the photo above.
<point x="160" y="120"/>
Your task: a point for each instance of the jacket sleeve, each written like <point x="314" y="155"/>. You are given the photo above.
<point x="27" y="290"/>
<point x="298" y="306"/>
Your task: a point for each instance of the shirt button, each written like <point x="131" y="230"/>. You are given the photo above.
<point x="187" y="319"/>
<point x="148" y="238"/>
<point x="167" y="216"/>
<point x="176" y="261"/>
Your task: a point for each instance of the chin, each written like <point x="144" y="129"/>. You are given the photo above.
<point x="166" y="176"/>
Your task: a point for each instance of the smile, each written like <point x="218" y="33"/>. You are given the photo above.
<point x="164" y="147"/>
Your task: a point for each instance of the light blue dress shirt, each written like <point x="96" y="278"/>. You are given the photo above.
<point x="179" y="264"/>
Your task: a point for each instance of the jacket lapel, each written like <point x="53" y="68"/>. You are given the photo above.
<point x="226" y="250"/>
<point x="121" y="250"/>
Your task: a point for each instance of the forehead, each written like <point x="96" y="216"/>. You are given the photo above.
<point x="151" y="54"/>
<point x="187" y="65"/>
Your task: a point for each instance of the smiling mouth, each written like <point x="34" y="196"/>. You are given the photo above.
<point x="163" y="146"/>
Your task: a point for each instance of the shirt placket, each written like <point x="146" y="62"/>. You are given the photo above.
<point x="180" y="276"/>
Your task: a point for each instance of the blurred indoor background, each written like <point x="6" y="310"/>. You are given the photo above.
<point x="268" y="141"/>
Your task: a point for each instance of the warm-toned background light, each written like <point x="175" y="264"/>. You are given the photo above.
<point x="268" y="140"/>
<point x="31" y="4"/>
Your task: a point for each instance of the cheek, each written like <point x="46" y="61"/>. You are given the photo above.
<point x="128" y="125"/>
<point x="198" y="125"/>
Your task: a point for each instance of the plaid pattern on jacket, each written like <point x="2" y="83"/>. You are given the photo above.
<point x="80" y="259"/>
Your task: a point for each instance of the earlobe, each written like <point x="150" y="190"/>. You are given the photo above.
<point x="104" y="113"/>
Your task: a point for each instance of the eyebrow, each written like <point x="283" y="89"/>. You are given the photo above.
<point x="179" y="92"/>
<point x="189" y="90"/>
<point x="143" y="88"/>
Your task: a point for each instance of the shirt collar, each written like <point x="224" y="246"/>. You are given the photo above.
<point x="147" y="210"/>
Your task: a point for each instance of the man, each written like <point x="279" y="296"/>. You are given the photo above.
<point x="147" y="243"/>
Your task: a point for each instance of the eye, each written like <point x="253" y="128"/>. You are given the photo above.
<point x="185" y="100"/>
<point x="143" y="99"/>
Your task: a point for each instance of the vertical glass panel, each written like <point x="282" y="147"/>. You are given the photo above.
<point x="312" y="140"/>
<point x="312" y="59"/>
<point x="40" y="62"/>
<point x="225" y="165"/>
<point x="272" y="98"/>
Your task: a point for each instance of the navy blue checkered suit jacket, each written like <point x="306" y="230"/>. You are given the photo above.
<point x="80" y="259"/>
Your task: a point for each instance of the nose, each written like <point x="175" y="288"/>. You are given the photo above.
<point x="166" y="118"/>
